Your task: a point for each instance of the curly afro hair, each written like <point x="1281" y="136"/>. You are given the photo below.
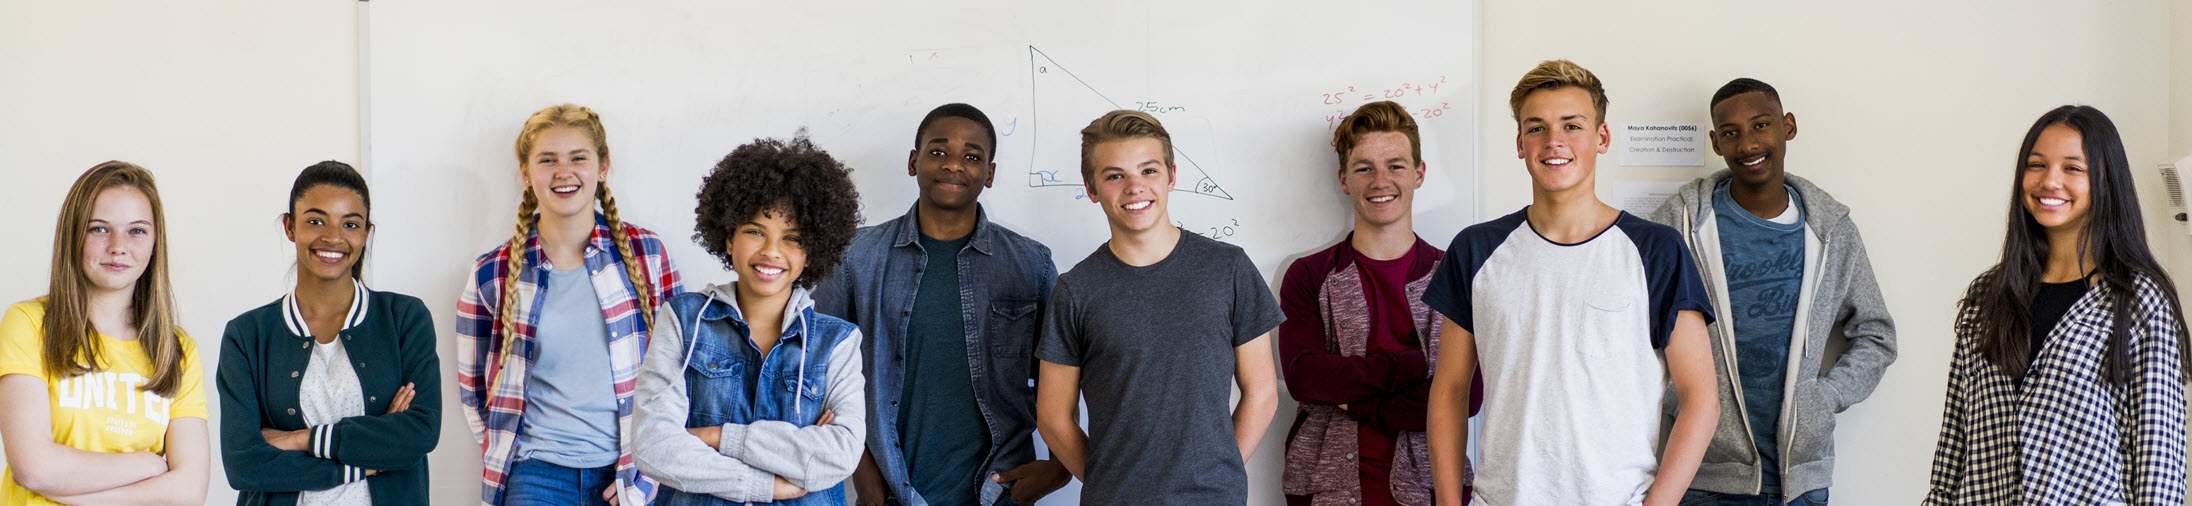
<point x="772" y="174"/>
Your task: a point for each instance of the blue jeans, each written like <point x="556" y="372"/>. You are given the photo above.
<point x="539" y="483"/>
<point x="1703" y="498"/>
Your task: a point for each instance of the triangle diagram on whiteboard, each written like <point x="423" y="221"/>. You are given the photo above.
<point x="1063" y="104"/>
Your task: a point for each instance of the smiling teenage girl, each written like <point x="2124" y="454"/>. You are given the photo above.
<point x="330" y="395"/>
<point x="2067" y="386"/>
<point x="571" y="286"/>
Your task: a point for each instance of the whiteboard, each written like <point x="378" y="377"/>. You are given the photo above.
<point x="1249" y="91"/>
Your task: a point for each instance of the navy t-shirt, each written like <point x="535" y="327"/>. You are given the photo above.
<point x="941" y="428"/>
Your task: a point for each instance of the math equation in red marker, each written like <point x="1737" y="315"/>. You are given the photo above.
<point x="1408" y="93"/>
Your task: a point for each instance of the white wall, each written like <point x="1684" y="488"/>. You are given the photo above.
<point x="1910" y="112"/>
<point x="2180" y="81"/>
<point x="2180" y="128"/>
<point x="224" y="101"/>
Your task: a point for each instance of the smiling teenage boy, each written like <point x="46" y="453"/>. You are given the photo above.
<point x="949" y="302"/>
<point x="1786" y="270"/>
<point x="1150" y="327"/>
<point x="1580" y="315"/>
<point x="1358" y="343"/>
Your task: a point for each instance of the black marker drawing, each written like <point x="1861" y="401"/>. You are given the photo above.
<point x="1072" y="101"/>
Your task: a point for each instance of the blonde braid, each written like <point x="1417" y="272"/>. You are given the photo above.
<point x="507" y="314"/>
<point x="643" y="286"/>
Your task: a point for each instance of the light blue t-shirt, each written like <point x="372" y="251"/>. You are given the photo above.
<point x="570" y="400"/>
<point x="1765" y="263"/>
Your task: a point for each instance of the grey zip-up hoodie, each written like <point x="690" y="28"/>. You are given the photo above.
<point x="1841" y="343"/>
<point x="749" y="457"/>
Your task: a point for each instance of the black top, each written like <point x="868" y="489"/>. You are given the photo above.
<point x="2048" y="307"/>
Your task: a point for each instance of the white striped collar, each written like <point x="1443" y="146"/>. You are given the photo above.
<point x="295" y="318"/>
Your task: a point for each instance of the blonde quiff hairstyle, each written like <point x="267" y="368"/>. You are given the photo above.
<point x="71" y="344"/>
<point x="1556" y="74"/>
<point x="585" y="120"/>
<point x="1380" y="116"/>
<point x="1121" y="125"/>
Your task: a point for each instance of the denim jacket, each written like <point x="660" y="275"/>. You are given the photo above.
<point x="1004" y="282"/>
<point x="702" y="370"/>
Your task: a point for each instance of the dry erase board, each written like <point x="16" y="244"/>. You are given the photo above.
<point x="1249" y="90"/>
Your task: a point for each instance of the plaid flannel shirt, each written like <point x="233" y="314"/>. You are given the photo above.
<point x="494" y="400"/>
<point x="2068" y="436"/>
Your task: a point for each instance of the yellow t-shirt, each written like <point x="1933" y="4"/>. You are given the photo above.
<point x="102" y="411"/>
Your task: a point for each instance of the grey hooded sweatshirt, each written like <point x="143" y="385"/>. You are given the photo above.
<point x="743" y="467"/>
<point x="1841" y="343"/>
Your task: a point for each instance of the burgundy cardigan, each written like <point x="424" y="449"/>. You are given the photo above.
<point x="1321" y="347"/>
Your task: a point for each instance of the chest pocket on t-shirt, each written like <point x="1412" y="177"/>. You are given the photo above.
<point x="1609" y="314"/>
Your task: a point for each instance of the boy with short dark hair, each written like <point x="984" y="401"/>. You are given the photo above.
<point x="949" y="302"/>
<point x="1786" y="270"/>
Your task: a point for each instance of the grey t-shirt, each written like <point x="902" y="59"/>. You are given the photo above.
<point x="1155" y="348"/>
<point x="570" y="399"/>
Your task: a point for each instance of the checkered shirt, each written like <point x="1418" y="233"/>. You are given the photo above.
<point x="2068" y="436"/>
<point x="494" y="400"/>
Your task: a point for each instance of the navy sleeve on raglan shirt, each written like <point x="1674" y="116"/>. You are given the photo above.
<point x="1670" y="275"/>
<point x="1450" y="290"/>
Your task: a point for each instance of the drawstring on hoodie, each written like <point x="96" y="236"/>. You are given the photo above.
<point x="692" y="331"/>
<point x="799" y="411"/>
<point x="692" y="340"/>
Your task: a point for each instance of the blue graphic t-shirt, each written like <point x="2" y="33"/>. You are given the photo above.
<point x="1765" y="270"/>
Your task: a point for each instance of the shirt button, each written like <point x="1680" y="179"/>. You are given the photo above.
<point x="307" y="344"/>
<point x="1350" y="456"/>
<point x="374" y="398"/>
<point x="361" y="365"/>
<point x="292" y="411"/>
<point x="292" y="374"/>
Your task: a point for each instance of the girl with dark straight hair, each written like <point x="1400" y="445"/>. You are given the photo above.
<point x="331" y="394"/>
<point x="2067" y="386"/>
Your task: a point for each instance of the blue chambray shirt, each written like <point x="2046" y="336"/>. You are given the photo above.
<point x="1004" y="283"/>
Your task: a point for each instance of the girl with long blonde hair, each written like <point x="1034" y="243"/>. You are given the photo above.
<point x="573" y="284"/>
